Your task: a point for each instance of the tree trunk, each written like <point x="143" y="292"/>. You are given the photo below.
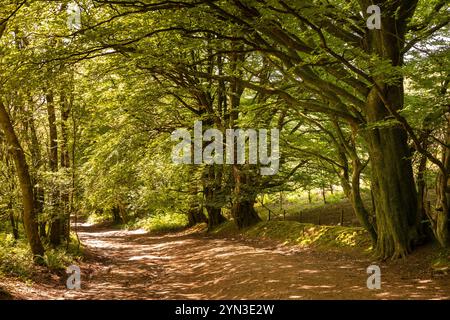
<point x="195" y="212"/>
<point x="10" y="205"/>
<point x="441" y="231"/>
<point x="323" y="195"/>
<point x="123" y="212"/>
<point x="12" y="220"/>
<point x="29" y="214"/>
<point x="393" y="189"/>
<point x="196" y="215"/>
<point x="212" y="188"/>
<point x="215" y="217"/>
<point x="392" y="175"/>
<point x="357" y="202"/>
<point x="36" y="159"/>
<point x="55" y="224"/>
<point x="421" y="192"/>
<point x="116" y="215"/>
<point x="243" y="210"/>
<point x="65" y="164"/>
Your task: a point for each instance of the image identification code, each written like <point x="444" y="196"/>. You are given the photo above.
<point x="226" y="309"/>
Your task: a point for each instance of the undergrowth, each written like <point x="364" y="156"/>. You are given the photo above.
<point x="16" y="258"/>
<point x="161" y="222"/>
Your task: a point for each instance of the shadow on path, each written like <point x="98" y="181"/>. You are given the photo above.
<point x="123" y="264"/>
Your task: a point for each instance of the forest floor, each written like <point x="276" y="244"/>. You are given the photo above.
<point x="121" y="264"/>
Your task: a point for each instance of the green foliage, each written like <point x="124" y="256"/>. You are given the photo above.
<point x="162" y="222"/>
<point x="96" y="218"/>
<point x="58" y="259"/>
<point x="336" y="197"/>
<point x="15" y="257"/>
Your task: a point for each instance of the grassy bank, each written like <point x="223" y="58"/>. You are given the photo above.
<point x="338" y="238"/>
<point x="303" y="234"/>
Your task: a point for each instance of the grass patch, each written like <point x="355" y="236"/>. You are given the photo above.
<point x="163" y="222"/>
<point x="303" y="234"/>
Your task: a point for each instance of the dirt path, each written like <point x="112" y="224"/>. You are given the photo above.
<point x="134" y="265"/>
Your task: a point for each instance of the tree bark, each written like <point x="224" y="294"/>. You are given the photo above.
<point x="243" y="210"/>
<point x="393" y="182"/>
<point x="212" y="188"/>
<point x="10" y="206"/>
<point x="36" y="159"/>
<point x="394" y="193"/>
<point x="441" y="226"/>
<point x="324" y="198"/>
<point x="392" y="175"/>
<point x="12" y="220"/>
<point x="421" y="192"/>
<point x="65" y="164"/>
<point x="353" y="193"/>
<point x="195" y="215"/>
<point x="29" y="214"/>
<point x="55" y="224"/>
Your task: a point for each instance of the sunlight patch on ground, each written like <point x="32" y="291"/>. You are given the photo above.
<point x="137" y="258"/>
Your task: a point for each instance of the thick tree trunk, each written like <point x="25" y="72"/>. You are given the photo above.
<point x="196" y="215"/>
<point x="244" y="213"/>
<point x="243" y="210"/>
<point x="29" y="214"/>
<point x="392" y="176"/>
<point x="215" y="217"/>
<point x="393" y="189"/>
<point x="195" y="212"/>
<point x="212" y="188"/>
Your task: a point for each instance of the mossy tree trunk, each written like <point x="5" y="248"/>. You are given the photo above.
<point x="244" y="198"/>
<point x="23" y="174"/>
<point x="393" y="184"/>
<point x="213" y="194"/>
<point x="392" y="175"/>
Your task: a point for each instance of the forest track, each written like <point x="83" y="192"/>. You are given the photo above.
<point x="122" y="264"/>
